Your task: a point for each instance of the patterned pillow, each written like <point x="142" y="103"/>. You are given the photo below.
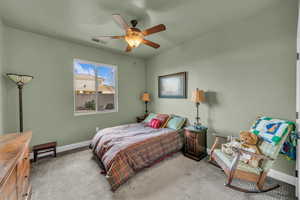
<point x="176" y="122"/>
<point x="164" y="118"/>
<point x="149" y="117"/>
<point x="271" y="130"/>
<point x="155" y="123"/>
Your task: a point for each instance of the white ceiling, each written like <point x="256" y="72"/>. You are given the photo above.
<point x="79" y="20"/>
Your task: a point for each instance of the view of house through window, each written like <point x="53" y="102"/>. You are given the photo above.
<point x="95" y="87"/>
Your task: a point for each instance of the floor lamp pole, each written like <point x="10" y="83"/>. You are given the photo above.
<point x="20" y="87"/>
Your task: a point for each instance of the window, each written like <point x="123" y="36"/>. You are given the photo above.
<point x="95" y="87"/>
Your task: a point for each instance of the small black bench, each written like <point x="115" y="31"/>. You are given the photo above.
<point x="44" y="148"/>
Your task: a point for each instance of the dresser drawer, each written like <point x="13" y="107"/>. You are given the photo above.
<point x="15" y="166"/>
<point x="27" y="192"/>
<point x="11" y="196"/>
<point x="23" y="185"/>
<point x="25" y="154"/>
<point x="190" y="135"/>
<point x="23" y="170"/>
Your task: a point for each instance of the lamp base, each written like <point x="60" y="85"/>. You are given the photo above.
<point x="146" y="110"/>
<point x="197" y="125"/>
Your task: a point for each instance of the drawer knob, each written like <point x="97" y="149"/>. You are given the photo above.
<point x="25" y="158"/>
<point x="25" y="195"/>
<point x="26" y="176"/>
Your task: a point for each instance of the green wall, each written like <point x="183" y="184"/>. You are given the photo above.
<point x="48" y="99"/>
<point x="247" y="68"/>
<point x="2" y="89"/>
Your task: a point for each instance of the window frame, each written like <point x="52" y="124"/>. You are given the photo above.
<point x="116" y="99"/>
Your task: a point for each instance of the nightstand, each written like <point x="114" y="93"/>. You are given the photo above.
<point x="195" y="142"/>
<point x="140" y="118"/>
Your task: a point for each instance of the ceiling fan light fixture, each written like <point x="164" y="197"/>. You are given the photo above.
<point x="134" y="37"/>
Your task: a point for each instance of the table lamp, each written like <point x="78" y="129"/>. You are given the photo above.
<point x="198" y="97"/>
<point x="146" y="99"/>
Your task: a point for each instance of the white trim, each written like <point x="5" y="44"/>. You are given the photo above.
<point x="298" y="109"/>
<point x="282" y="177"/>
<point x="68" y="147"/>
<point x="94" y="113"/>
<point x="292" y="180"/>
<point x="73" y="146"/>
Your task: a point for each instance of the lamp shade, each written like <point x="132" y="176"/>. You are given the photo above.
<point x="146" y="97"/>
<point x="19" y="79"/>
<point x="198" y="96"/>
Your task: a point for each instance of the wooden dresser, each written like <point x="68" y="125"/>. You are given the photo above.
<point x="15" y="166"/>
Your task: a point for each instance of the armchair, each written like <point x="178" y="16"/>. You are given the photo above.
<point x="234" y="168"/>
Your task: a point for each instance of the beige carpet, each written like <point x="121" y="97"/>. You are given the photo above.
<point x="76" y="176"/>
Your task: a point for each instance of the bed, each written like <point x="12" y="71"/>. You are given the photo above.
<point x="124" y="150"/>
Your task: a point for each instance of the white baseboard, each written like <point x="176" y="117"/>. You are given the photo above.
<point x="68" y="147"/>
<point x="282" y="177"/>
<point x="73" y="146"/>
<point x="292" y="180"/>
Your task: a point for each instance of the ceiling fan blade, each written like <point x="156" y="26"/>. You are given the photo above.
<point x="96" y="39"/>
<point x="150" y="43"/>
<point x="120" y="20"/>
<point x="104" y="38"/>
<point x="154" y="29"/>
<point x="128" y="48"/>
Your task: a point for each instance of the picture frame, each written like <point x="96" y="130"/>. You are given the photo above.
<point x="172" y="85"/>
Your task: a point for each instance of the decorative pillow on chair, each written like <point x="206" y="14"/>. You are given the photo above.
<point x="149" y="117"/>
<point x="176" y="122"/>
<point x="271" y="130"/>
<point x="155" y="123"/>
<point x="164" y="118"/>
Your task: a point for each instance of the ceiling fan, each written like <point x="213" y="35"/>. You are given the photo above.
<point x="133" y="36"/>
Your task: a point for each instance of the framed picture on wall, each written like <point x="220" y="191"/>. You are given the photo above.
<point x="172" y="85"/>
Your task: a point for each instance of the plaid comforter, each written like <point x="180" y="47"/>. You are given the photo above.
<point x="126" y="149"/>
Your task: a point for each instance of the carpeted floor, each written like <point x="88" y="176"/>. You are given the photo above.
<point x="75" y="175"/>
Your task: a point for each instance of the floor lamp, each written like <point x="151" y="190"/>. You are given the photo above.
<point x="20" y="80"/>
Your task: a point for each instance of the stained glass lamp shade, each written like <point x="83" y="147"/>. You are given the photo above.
<point x="19" y="79"/>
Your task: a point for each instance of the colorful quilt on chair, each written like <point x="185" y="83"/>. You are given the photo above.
<point x="271" y="130"/>
<point x="289" y="147"/>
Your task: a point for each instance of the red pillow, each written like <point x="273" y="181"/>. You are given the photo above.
<point x="155" y="123"/>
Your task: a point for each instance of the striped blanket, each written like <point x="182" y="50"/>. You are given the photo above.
<point x="126" y="149"/>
